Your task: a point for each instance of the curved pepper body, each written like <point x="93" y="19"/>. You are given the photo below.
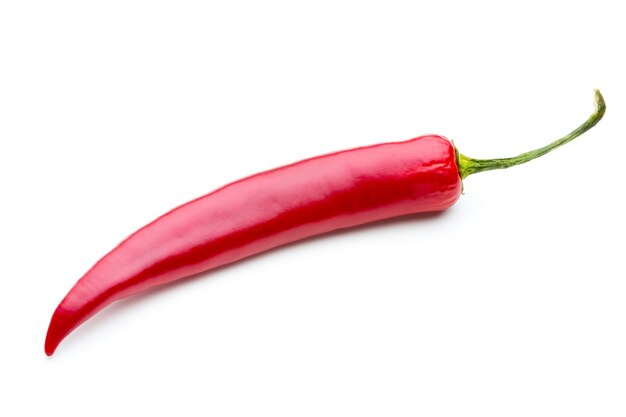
<point x="266" y="210"/>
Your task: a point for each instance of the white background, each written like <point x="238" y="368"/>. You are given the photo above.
<point x="512" y="303"/>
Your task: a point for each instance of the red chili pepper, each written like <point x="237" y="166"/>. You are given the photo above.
<point x="280" y="206"/>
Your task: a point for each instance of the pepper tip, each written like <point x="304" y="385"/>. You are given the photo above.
<point x="51" y="343"/>
<point x="57" y="330"/>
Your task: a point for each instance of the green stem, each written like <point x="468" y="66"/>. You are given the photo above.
<point x="469" y="166"/>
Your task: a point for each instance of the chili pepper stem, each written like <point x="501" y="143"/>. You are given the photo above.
<point x="469" y="166"/>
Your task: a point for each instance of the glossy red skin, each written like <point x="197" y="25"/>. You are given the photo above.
<point x="266" y="210"/>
